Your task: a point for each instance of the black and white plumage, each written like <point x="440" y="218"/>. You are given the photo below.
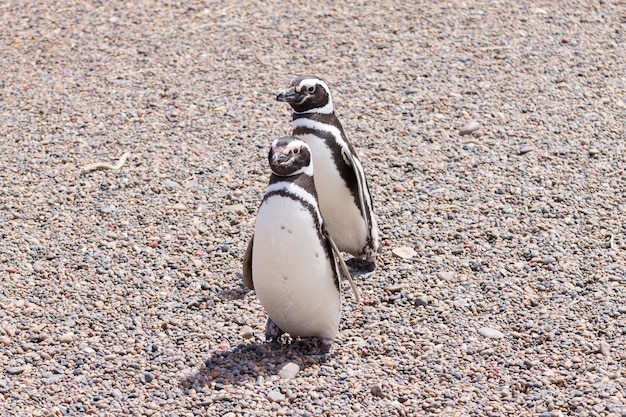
<point x="291" y="262"/>
<point x="343" y="193"/>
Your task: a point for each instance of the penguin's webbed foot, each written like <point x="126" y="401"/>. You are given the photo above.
<point x="362" y="267"/>
<point x="272" y="331"/>
<point x="324" y="350"/>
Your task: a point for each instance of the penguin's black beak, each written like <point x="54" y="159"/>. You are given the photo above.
<point x="290" y="95"/>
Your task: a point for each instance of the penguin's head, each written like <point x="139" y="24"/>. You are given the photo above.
<point x="307" y="94"/>
<point x="290" y="156"/>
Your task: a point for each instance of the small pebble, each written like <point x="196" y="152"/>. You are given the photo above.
<point x="170" y="184"/>
<point x="247" y="332"/>
<point x="376" y="390"/>
<point x="398" y="188"/>
<point x="395" y="288"/>
<point x="67" y="337"/>
<point x="548" y="260"/>
<point x="15" y="370"/>
<point x="526" y="149"/>
<point x="490" y="333"/>
<point x="289" y="370"/>
<point x="469" y="127"/>
<point x="404" y="252"/>
<point x="445" y="276"/>
<point x="276" y="396"/>
<point x="605" y="348"/>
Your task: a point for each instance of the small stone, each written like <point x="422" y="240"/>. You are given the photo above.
<point x="4" y="386"/>
<point x="276" y="396"/>
<point x="236" y="208"/>
<point x="469" y="127"/>
<point x="289" y="371"/>
<point x="445" y="275"/>
<point x="398" y="188"/>
<point x="247" y="332"/>
<point x="594" y="152"/>
<point x="179" y="207"/>
<point x="106" y="209"/>
<point x="404" y="252"/>
<point x="376" y="390"/>
<point x="15" y="370"/>
<point x="526" y="149"/>
<point x="395" y="288"/>
<point x="148" y="377"/>
<point x="11" y="270"/>
<point x="67" y="337"/>
<point x="490" y="333"/>
<point x="548" y="260"/>
<point x="604" y="349"/>
<point x="170" y="184"/>
<point x="421" y="301"/>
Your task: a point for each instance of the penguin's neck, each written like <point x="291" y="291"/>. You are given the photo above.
<point x="325" y="118"/>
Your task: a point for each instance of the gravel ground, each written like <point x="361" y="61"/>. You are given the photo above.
<point x="501" y="288"/>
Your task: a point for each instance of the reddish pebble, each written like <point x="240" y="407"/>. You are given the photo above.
<point x="564" y="41"/>
<point x="11" y="270"/>
<point x="398" y="188"/>
<point x="224" y="345"/>
<point x="368" y="302"/>
<point x="154" y="245"/>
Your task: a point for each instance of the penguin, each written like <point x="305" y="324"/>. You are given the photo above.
<point x="344" y="197"/>
<point x="291" y="262"/>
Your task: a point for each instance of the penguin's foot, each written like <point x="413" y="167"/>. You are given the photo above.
<point x="272" y="331"/>
<point x="324" y="351"/>
<point x="362" y="267"/>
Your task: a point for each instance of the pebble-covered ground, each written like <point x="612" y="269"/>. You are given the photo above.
<point x="493" y="136"/>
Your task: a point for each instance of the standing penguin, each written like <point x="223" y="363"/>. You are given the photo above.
<point x="291" y="262"/>
<point x="344" y="196"/>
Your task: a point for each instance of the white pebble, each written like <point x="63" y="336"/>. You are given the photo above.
<point x="289" y="371"/>
<point x="404" y="252"/>
<point x="276" y="396"/>
<point x="490" y="333"/>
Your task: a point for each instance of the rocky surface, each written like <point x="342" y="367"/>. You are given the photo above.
<point x="493" y="137"/>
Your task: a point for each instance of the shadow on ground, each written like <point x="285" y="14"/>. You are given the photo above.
<point x="251" y="363"/>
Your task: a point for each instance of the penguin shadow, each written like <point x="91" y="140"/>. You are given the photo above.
<point x="251" y="363"/>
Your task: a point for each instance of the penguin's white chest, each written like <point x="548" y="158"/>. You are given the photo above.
<point x="343" y="218"/>
<point x="293" y="276"/>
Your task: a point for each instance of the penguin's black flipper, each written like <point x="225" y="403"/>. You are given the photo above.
<point x="247" y="265"/>
<point x="340" y="265"/>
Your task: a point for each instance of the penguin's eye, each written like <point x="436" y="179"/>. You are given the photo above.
<point x="311" y="89"/>
<point x="296" y="151"/>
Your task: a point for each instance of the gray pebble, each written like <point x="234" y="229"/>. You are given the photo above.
<point x="15" y="370"/>
<point x="605" y="348"/>
<point x="376" y="390"/>
<point x="548" y="260"/>
<point x="421" y="301"/>
<point x="469" y="127"/>
<point x="170" y="184"/>
<point x="526" y="149"/>
<point x="4" y="386"/>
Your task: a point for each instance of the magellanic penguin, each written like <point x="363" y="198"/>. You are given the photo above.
<point x="344" y="195"/>
<point x="291" y="262"/>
